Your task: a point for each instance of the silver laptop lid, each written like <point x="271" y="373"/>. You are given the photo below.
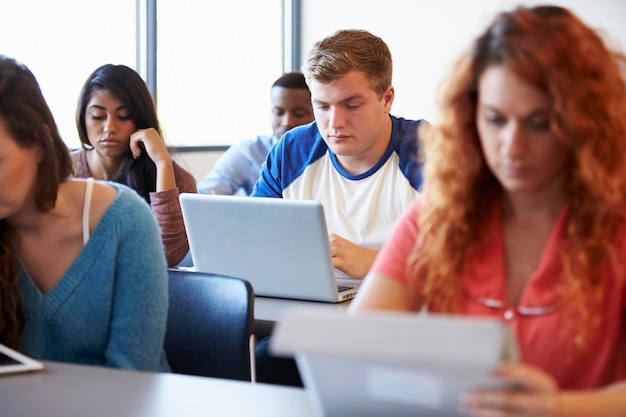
<point x="280" y="246"/>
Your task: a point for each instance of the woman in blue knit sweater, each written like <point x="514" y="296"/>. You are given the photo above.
<point x="83" y="276"/>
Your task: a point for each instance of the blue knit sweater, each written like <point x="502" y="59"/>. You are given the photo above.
<point x="110" y="308"/>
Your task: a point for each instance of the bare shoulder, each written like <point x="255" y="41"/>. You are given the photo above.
<point x="72" y="194"/>
<point x="102" y="197"/>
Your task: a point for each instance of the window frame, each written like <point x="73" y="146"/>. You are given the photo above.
<point x="147" y="45"/>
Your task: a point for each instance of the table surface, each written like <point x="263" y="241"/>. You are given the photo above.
<point x="67" y="390"/>
<point x="268" y="311"/>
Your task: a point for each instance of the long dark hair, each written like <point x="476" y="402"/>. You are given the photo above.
<point x="128" y="87"/>
<point x="30" y="123"/>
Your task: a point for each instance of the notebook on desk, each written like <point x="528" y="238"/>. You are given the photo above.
<point x="278" y="245"/>
<point x="392" y="364"/>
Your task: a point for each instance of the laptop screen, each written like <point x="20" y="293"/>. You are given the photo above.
<point x="280" y="246"/>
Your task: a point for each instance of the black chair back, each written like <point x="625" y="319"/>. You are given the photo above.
<point x="210" y="325"/>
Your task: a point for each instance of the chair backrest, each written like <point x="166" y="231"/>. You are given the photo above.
<point x="210" y="325"/>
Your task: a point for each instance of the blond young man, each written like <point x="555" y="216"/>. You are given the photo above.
<point x="359" y="161"/>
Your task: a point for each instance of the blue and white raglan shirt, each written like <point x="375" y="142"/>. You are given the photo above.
<point x="360" y="208"/>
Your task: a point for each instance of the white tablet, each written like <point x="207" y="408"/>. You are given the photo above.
<point x="12" y="361"/>
<point x="392" y="363"/>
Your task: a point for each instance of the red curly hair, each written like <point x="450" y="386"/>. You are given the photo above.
<point x="550" y="48"/>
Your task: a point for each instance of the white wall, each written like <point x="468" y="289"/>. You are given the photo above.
<point x="198" y="163"/>
<point x="425" y="36"/>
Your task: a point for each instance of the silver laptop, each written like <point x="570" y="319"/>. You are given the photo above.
<point x="278" y="245"/>
<point x="392" y="364"/>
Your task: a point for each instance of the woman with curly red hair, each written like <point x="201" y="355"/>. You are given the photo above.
<point x="523" y="216"/>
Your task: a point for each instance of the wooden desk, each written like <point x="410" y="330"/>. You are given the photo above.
<point x="64" y="390"/>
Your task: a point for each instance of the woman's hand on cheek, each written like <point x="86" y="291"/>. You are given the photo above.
<point x="152" y="143"/>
